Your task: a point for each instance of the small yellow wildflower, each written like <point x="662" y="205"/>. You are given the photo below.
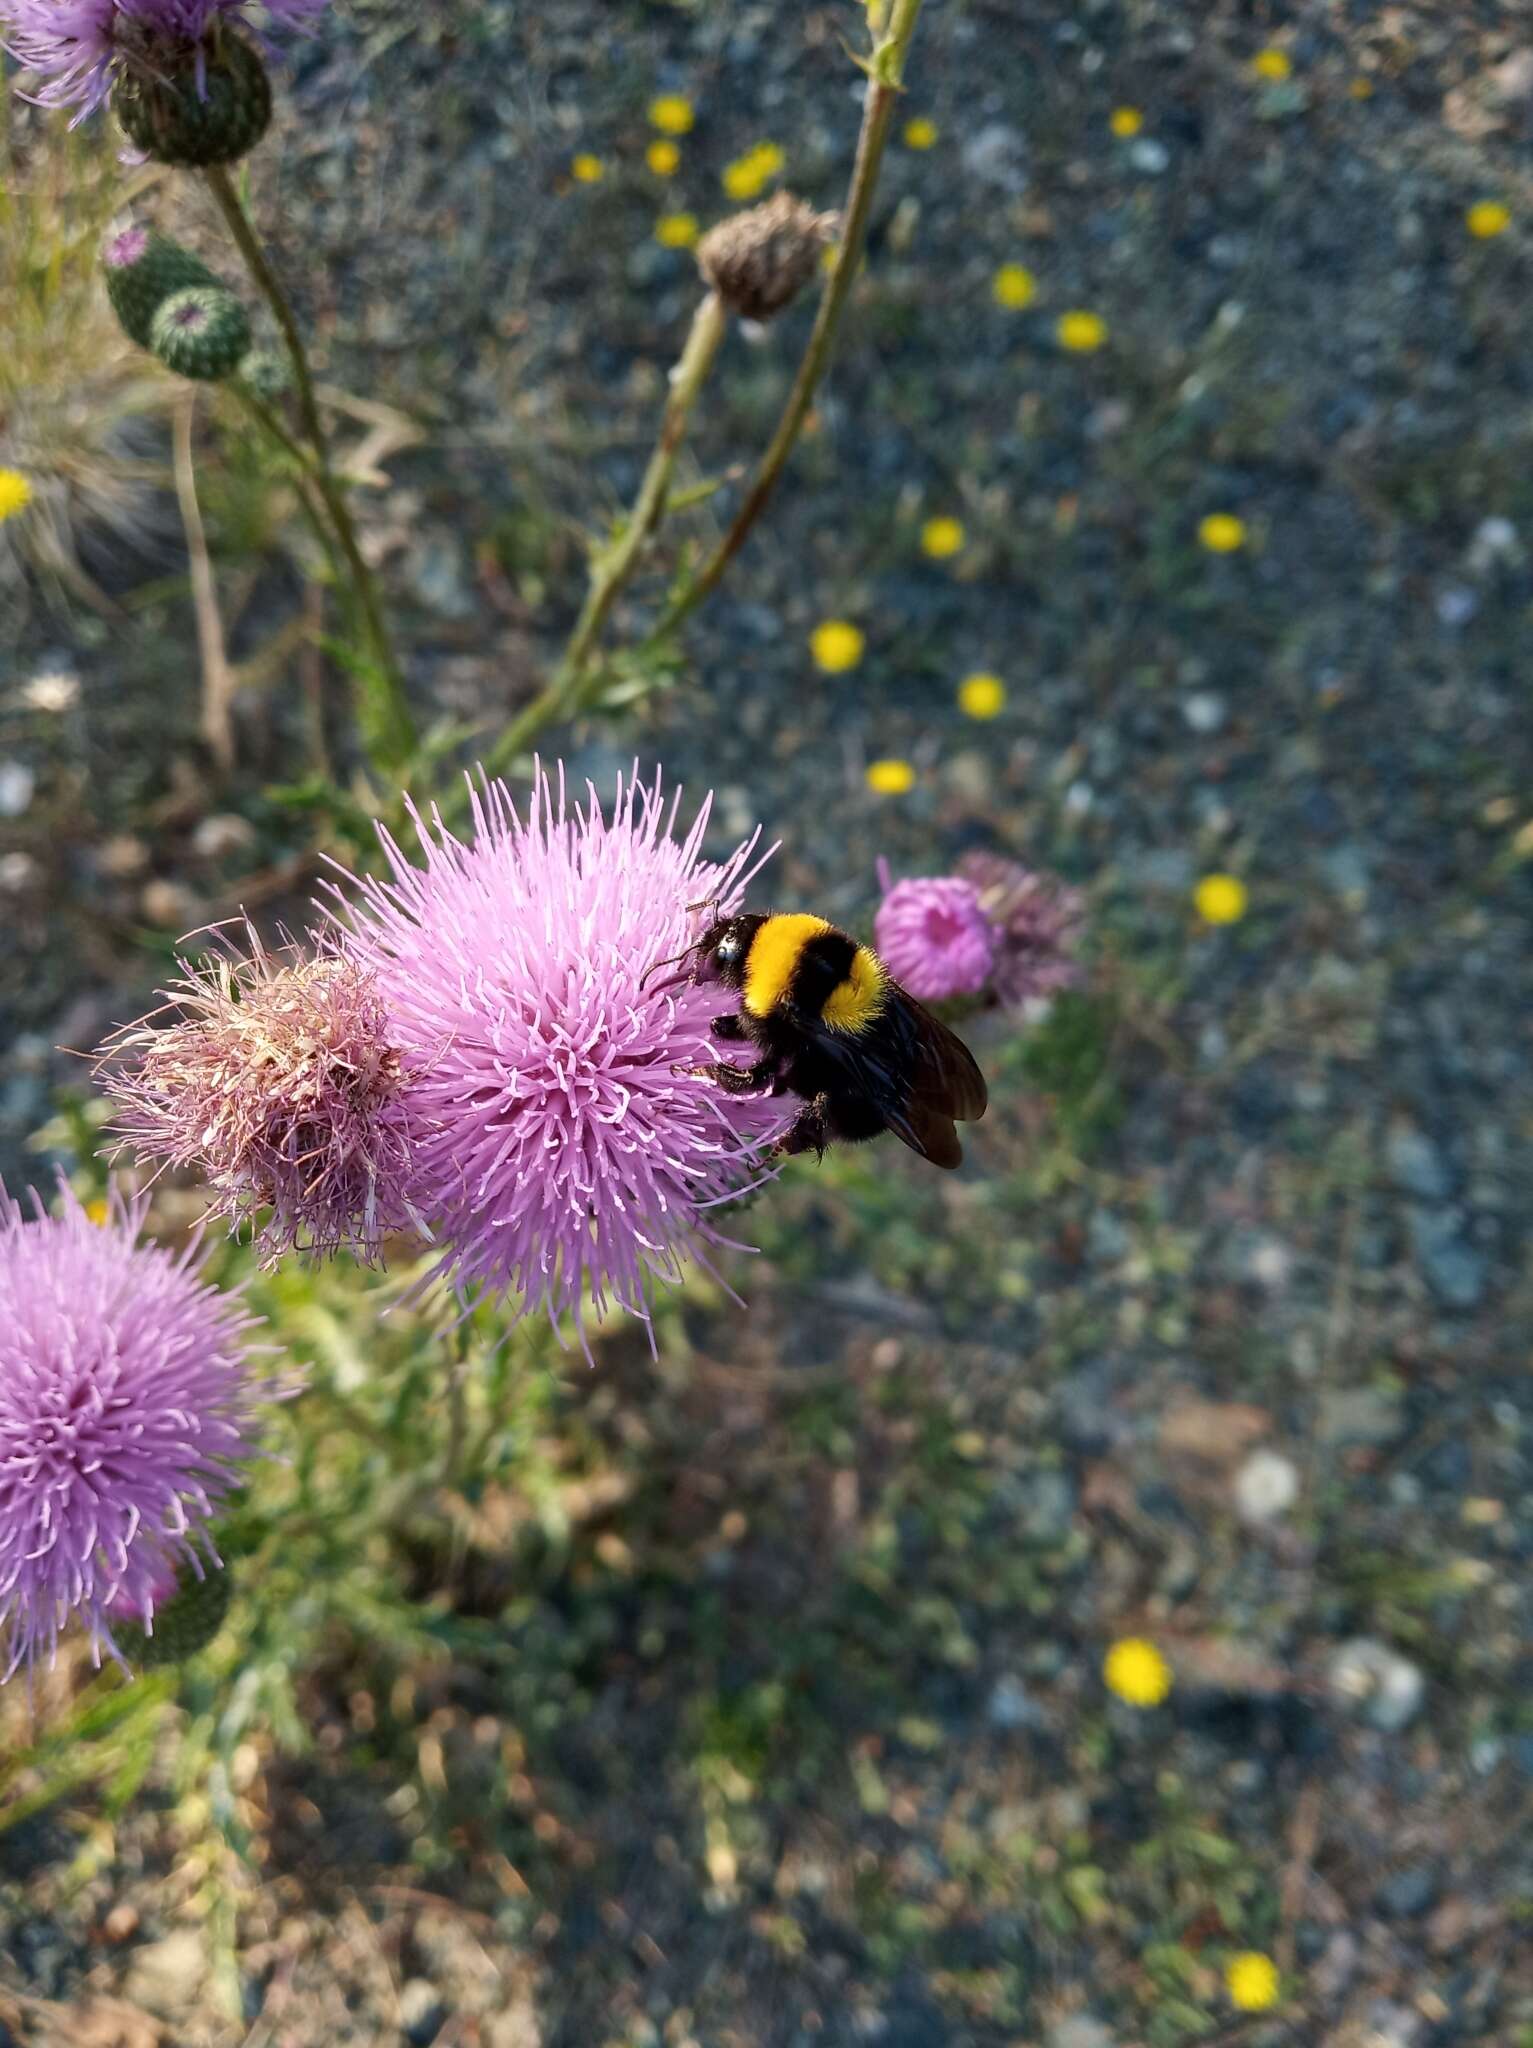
<point x="1222" y="533"/>
<point x="982" y="696"/>
<point x="1136" y="1671"/>
<point x="1251" y="1980"/>
<point x="1488" y="217"/>
<point x="749" y="175"/>
<point x="98" y="1211"/>
<point x="586" y="169"/>
<point x="15" y="494"/>
<point x="1361" y="89"/>
<point x="836" y="646"/>
<point x="1014" y="287"/>
<point x="890" y="777"/>
<point x="1220" y="899"/>
<point x="663" y="158"/>
<point x="921" y="133"/>
<point x="942" y="537"/>
<point x="676" y="230"/>
<point x="1272" y="64"/>
<point x="672" y="114"/>
<point x="1125" y="121"/>
<point x="1081" y="333"/>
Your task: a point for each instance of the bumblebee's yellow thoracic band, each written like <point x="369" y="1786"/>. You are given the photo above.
<point x="773" y="962"/>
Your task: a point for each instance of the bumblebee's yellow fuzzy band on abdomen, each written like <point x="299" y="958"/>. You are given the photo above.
<point x="852" y="1002"/>
<point x="774" y="955"/>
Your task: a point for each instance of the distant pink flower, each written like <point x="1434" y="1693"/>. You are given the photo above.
<point x="933" y="936"/>
<point x="569" y="1156"/>
<point x="126" y="1411"/>
<point x="1038" y="921"/>
<point x="77" y="47"/>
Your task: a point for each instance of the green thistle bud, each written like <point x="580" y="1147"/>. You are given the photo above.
<point x="201" y="332"/>
<point x="143" y="268"/>
<point x="185" y="1624"/>
<point x="265" y="372"/>
<point x="210" y="113"/>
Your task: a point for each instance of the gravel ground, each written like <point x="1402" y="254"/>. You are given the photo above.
<point x="1221" y="1337"/>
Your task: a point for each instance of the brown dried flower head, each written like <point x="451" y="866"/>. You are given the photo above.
<point x="758" y="262"/>
<point x="277" y="1082"/>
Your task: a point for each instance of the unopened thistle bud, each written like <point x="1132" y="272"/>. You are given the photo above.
<point x="143" y="268"/>
<point x="187" y="1615"/>
<point x="266" y="373"/>
<point x="201" y="332"/>
<point x="278" y="1083"/>
<point x="758" y="262"/>
<point x="198" y="103"/>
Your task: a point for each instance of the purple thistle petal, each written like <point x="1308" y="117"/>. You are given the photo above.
<point x="569" y="1157"/>
<point x="126" y="1409"/>
<point x="75" y="47"/>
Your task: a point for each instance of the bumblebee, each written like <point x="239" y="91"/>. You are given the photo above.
<point x="832" y="1026"/>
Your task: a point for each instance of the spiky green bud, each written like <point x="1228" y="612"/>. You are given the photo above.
<point x="201" y="332"/>
<point x="143" y="268"/>
<point x="210" y="110"/>
<point x="185" y="1624"/>
<point x="266" y="373"/>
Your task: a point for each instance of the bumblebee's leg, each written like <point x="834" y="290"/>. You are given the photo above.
<point x="730" y="1027"/>
<point x="809" y="1130"/>
<point x="736" y="1080"/>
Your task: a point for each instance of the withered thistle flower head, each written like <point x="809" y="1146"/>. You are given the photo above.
<point x="277" y="1081"/>
<point x="758" y="262"/>
<point x="1038" y="922"/>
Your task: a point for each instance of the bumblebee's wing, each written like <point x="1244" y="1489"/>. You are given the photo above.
<point x="916" y="1072"/>
<point x="946" y="1075"/>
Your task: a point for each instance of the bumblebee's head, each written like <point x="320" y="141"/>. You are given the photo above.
<point x="718" y="955"/>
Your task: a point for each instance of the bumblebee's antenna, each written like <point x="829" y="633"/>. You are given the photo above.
<point x="655" y="965"/>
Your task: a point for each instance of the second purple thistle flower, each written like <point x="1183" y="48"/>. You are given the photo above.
<point x="566" y="1156"/>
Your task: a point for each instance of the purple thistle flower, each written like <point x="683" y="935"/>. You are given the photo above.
<point x="78" y="47"/>
<point x="122" y="251"/>
<point x="570" y="1157"/>
<point x="933" y="935"/>
<point x="278" y="1082"/>
<point x="126" y="1409"/>
<point x="1038" y="921"/>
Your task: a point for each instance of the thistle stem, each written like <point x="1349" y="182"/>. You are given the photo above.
<point x="614" y="566"/>
<point x="886" y="71"/>
<point x="390" y="730"/>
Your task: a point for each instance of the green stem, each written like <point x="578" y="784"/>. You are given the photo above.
<point x="391" y="731"/>
<point x="565" y="694"/>
<point x="885" y="74"/>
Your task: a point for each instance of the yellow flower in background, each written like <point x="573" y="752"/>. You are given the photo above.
<point x="663" y="158"/>
<point x="1125" y="121"/>
<point x="1488" y="217"/>
<point x="1136" y="1671"/>
<point x="836" y="646"/>
<point x="672" y="114"/>
<point x="1014" y="287"/>
<point x="1251" y="1980"/>
<point x="982" y="696"/>
<point x="890" y="777"/>
<point x="942" y="537"/>
<point x="1272" y="64"/>
<point x="1081" y="333"/>
<point x="1220" y="899"/>
<point x="98" y="1211"/>
<point x="676" y="230"/>
<point x="749" y="175"/>
<point x="921" y="133"/>
<point x="15" y="494"/>
<point x="586" y="169"/>
<point x="1222" y="533"/>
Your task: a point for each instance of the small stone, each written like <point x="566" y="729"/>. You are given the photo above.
<point x="1149" y="156"/>
<point x="1360" y="1415"/>
<point x="1456" y="605"/>
<point x="996" y="155"/>
<point x="1377" y="1682"/>
<point x="1410" y="1892"/>
<point x="1266" y="1486"/>
<point x="422" y="2014"/>
<point x="1452" y="1269"/>
<point x="1012" y="1706"/>
<point x="17" y="783"/>
<point x="166" y="1976"/>
<point x="1495" y="540"/>
<point x="1205" y="711"/>
<point x="168" y="905"/>
<point x="18" y="872"/>
<point x="53" y="691"/>
<point x="1416" y="1165"/>
<point x="121" y="1924"/>
<point x="1079" y="2030"/>
<point x="438" y="579"/>
<point x="121" y="857"/>
<point x="1048" y="1507"/>
<point x="220" y="835"/>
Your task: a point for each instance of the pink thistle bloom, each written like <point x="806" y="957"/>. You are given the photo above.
<point x="570" y="1157"/>
<point x="1038" y="921"/>
<point x="126" y="1411"/>
<point x="933" y="936"/>
<point x="278" y="1082"/>
<point x="76" y="48"/>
